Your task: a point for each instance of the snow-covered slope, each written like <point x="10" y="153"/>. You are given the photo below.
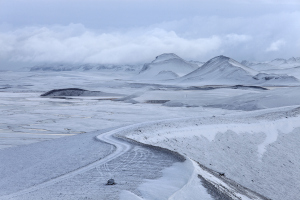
<point x="223" y="70"/>
<point x="256" y="149"/>
<point x="278" y="97"/>
<point x="220" y="70"/>
<point x="166" y="62"/>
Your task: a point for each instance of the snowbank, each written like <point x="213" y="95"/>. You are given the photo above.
<point x="253" y="149"/>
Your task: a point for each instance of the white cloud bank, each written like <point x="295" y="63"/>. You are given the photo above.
<point x="275" y="46"/>
<point x="261" y="38"/>
<point x="74" y="43"/>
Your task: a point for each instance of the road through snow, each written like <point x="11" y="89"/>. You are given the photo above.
<point x="130" y="164"/>
<point x="121" y="148"/>
<point x="139" y="170"/>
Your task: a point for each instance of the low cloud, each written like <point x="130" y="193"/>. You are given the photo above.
<point x="74" y="43"/>
<point x="275" y="46"/>
<point x="192" y="39"/>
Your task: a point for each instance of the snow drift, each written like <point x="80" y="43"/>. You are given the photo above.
<point x="256" y="149"/>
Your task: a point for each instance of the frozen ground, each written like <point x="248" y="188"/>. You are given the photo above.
<point x="31" y="118"/>
<point x="49" y="150"/>
<point x="78" y="167"/>
<point x="258" y="150"/>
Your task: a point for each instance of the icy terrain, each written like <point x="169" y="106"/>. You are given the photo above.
<point x="172" y="130"/>
<point x="257" y="150"/>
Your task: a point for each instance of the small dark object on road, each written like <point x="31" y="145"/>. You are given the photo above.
<point x="111" y="182"/>
<point x="221" y="174"/>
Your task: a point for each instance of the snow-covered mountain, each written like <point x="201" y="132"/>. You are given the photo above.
<point x="85" y="67"/>
<point x="223" y="70"/>
<point x="220" y="69"/>
<point x="278" y="63"/>
<point x="167" y="66"/>
<point x="289" y="66"/>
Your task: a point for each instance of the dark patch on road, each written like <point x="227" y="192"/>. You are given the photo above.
<point x="156" y="101"/>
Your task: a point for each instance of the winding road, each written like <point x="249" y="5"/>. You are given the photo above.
<point x="129" y="164"/>
<point x="78" y="167"/>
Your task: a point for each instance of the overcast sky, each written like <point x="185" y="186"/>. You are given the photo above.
<point x="135" y="31"/>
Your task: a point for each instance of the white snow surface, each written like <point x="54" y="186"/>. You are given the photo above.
<point x="253" y="149"/>
<point x="47" y="145"/>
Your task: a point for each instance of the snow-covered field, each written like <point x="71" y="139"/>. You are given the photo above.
<point x="180" y="134"/>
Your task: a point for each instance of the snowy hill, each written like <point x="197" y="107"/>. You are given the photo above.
<point x="220" y="69"/>
<point x="289" y="66"/>
<point x="278" y="63"/>
<point x="169" y="62"/>
<point x="223" y="70"/>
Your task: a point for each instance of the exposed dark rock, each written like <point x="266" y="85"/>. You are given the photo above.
<point x="111" y="182"/>
<point x="75" y="92"/>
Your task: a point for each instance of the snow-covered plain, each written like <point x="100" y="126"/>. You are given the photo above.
<point x="177" y="137"/>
